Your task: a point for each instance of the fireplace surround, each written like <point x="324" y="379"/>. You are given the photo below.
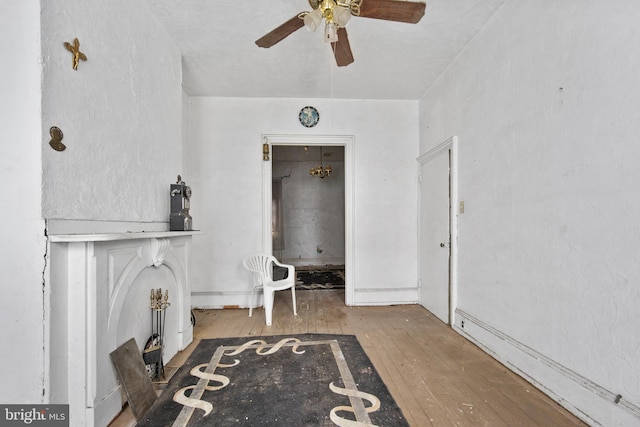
<point x="99" y="299"/>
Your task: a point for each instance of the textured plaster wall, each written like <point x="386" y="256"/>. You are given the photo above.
<point x="226" y="174"/>
<point x="23" y="242"/>
<point x="313" y="213"/>
<point x="545" y="102"/>
<point x="120" y="112"/>
<point x="121" y="115"/>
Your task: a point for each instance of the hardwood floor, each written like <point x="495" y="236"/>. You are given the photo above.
<point x="437" y="377"/>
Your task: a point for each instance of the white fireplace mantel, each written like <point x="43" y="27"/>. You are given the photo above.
<point x="99" y="299"/>
<point x="105" y="237"/>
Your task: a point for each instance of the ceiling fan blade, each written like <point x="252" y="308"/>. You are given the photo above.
<point x="392" y="10"/>
<point x="281" y="32"/>
<point x="342" y="49"/>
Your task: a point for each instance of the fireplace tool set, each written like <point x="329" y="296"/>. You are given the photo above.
<point x="152" y="354"/>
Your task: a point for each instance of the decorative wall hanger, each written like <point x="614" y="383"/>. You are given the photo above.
<point x="56" y="139"/>
<point x="265" y="152"/>
<point x="309" y="116"/>
<point x="75" y="49"/>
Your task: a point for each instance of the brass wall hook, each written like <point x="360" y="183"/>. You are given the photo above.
<point x="75" y="50"/>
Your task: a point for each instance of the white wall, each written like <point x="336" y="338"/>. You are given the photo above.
<point x="226" y="175"/>
<point x="120" y="113"/>
<point x="313" y="213"/>
<point x="23" y="243"/>
<point x="545" y="101"/>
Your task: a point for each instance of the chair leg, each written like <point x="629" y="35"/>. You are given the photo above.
<point x="268" y="305"/>
<point x="293" y="297"/>
<point x="253" y="301"/>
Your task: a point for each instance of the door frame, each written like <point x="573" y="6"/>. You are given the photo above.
<point x="346" y="141"/>
<point x="451" y="145"/>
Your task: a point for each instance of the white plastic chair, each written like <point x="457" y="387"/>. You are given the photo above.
<point x="261" y="265"/>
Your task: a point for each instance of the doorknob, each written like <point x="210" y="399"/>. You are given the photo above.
<point x="444" y="245"/>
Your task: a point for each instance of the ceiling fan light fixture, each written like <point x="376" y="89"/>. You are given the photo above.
<point x="313" y="19"/>
<point x="337" y="15"/>
<point x="330" y="33"/>
<point x="341" y="16"/>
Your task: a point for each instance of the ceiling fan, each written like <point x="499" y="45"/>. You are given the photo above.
<point x="337" y="14"/>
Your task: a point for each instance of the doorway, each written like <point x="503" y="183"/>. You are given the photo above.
<point x="317" y="242"/>
<point x="438" y="230"/>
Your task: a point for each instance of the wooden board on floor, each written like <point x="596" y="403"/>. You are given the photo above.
<point x="134" y="378"/>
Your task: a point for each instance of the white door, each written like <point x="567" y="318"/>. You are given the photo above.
<point x="435" y="240"/>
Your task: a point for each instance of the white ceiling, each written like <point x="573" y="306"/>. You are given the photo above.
<point x="392" y="60"/>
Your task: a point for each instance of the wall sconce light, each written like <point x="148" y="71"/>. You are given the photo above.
<point x="265" y="152"/>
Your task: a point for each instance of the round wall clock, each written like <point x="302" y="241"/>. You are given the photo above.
<point x="309" y="117"/>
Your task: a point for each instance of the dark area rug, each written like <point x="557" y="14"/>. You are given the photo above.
<point x="283" y="380"/>
<point x="320" y="279"/>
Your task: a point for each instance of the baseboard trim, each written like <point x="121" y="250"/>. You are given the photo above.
<point x="364" y="297"/>
<point x="222" y="299"/>
<point x="586" y="406"/>
<point x="386" y="296"/>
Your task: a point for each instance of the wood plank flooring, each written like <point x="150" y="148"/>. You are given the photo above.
<point x="437" y="377"/>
